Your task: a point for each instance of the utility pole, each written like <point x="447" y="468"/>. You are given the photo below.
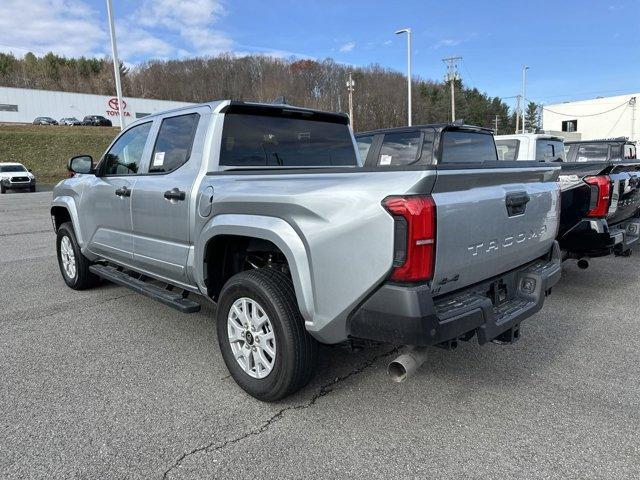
<point x="496" y="125"/>
<point x="524" y="85"/>
<point x="116" y="63"/>
<point x="451" y="76"/>
<point x="632" y="102"/>
<point x="518" y="114"/>
<point x="408" y="32"/>
<point x="350" y="85"/>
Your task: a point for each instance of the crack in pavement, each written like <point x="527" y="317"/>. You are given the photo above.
<point x="25" y="233"/>
<point x="324" y="390"/>
<point x="57" y="309"/>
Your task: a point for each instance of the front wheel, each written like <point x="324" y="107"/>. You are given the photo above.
<point x="262" y="336"/>
<point x="3" y="189"/>
<point x="74" y="266"/>
<point x="32" y="188"/>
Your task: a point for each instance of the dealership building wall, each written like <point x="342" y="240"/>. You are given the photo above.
<point x="22" y="105"/>
<point x="604" y="117"/>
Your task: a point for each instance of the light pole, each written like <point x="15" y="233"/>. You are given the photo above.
<point x="524" y="86"/>
<point x="116" y="64"/>
<point x="408" y="32"/>
<point x="350" y="84"/>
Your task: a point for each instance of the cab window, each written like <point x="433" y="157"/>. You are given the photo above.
<point x="174" y="142"/>
<point x="400" y="148"/>
<point x="125" y="156"/>
<point x="364" y="144"/>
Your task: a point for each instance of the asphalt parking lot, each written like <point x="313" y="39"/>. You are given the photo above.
<point x="109" y="384"/>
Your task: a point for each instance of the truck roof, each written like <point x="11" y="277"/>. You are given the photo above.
<point x="435" y="126"/>
<point x="227" y="106"/>
<point x="535" y="136"/>
<point x="602" y="140"/>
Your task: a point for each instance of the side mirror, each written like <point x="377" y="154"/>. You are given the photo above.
<point x="80" y="164"/>
<point x="29" y="170"/>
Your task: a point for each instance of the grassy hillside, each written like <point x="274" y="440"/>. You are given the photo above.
<point x="46" y="149"/>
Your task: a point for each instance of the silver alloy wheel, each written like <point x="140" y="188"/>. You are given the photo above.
<point x="68" y="257"/>
<point x="251" y="336"/>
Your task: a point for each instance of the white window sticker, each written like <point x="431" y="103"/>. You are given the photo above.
<point x="385" y="159"/>
<point x="158" y="159"/>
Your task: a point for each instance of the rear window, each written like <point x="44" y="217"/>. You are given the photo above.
<point x="550" y="151"/>
<point x="507" y="149"/>
<point x="596" y="152"/>
<point x="275" y="141"/>
<point x="467" y="147"/>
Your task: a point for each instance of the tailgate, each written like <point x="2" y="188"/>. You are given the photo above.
<point x="492" y="220"/>
<point x="625" y="198"/>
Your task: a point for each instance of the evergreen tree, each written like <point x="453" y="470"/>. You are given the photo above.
<point x="531" y="118"/>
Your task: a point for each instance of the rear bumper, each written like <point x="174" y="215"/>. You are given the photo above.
<point x="591" y="238"/>
<point x="411" y="316"/>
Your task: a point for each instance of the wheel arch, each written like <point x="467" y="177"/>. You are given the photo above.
<point x="270" y="229"/>
<point x="63" y="209"/>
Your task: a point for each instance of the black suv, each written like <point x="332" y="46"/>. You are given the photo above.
<point x="96" y="121"/>
<point x="614" y="149"/>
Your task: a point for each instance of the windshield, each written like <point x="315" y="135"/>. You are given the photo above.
<point x="459" y="146"/>
<point x="276" y="141"/>
<point x="12" y="168"/>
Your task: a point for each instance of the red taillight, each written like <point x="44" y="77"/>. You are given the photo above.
<point x="415" y="237"/>
<point x="601" y="195"/>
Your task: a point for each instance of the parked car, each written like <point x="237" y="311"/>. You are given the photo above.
<point x="96" y="121"/>
<point x="15" y="176"/>
<point x="601" y="150"/>
<point x="263" y="209"/>
<point x="44" y="121"/>
<point x="531" y="146"/>
<point x="600" y="192"/>
<point x="70" y="121"/>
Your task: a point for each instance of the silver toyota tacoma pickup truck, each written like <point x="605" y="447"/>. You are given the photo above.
<point x="267" y="211"/>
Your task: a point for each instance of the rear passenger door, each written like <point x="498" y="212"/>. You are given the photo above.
<point x="162" y="204"/>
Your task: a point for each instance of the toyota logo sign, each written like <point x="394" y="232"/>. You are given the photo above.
<point x="113" y="110"/>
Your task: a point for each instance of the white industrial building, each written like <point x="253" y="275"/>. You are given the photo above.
<point x="22" y="105"/>
<point x="602" y="117"/>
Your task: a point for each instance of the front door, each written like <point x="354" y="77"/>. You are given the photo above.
<point x="162" y="201"/>
<point x="106" y="201"/>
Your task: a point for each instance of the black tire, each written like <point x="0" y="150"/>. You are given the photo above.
<point x="83" y="278"/>
<point x="3" y="189"/>
<point x="296" y="351"/>
<point x="32" y="188"/>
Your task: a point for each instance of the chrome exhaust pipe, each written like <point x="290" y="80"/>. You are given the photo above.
<point x="407" y="364"/>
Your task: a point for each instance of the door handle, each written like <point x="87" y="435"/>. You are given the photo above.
<point x="517" y="202"/>
<point x="175" y="194"/>
<point x="123" y="192"/>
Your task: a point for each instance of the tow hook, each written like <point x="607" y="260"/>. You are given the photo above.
<point x="510" y="336"/>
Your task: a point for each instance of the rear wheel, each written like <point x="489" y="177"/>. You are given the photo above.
<point x="73" y="265"/>
<point x="262" y="336"/>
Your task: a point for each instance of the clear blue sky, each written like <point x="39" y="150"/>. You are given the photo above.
<point x="576" y="49"/>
